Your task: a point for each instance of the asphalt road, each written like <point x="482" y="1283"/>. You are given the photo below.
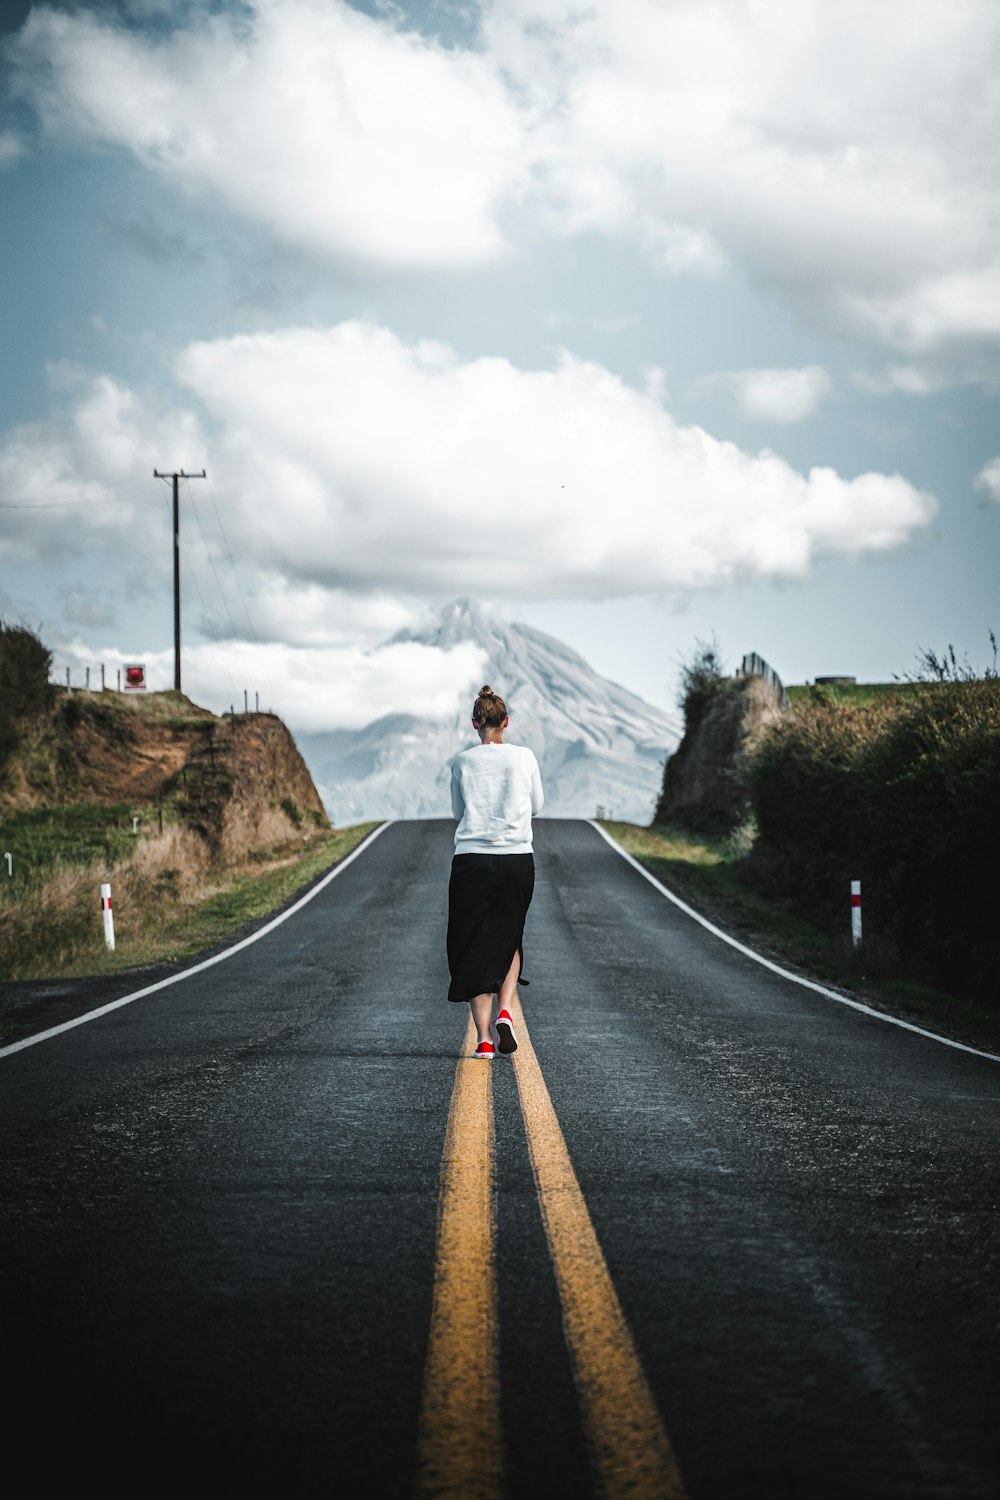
<point x="220" y="1209"/>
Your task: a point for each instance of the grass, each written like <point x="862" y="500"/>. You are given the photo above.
<point x="241" y="896"/>
<point x="166" y="707"/>
<point x="74" y="833"/>
<point x="707" y="874"/>
<point x="170" y="902"/>
<point x="849" y="692"/>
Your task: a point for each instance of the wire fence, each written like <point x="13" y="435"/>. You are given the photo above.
<point x="101" y="678"/>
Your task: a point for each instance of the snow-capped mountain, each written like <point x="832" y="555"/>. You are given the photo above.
<point x="598" y="745"/>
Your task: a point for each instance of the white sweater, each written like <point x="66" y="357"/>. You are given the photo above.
<point x="494" y="791"/>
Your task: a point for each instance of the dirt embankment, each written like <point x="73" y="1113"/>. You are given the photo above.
<point x="239" y="781"/>
<point x="705" y="780"/>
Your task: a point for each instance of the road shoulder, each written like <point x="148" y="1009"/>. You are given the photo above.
<point x="699" y="873"/>
<point x="32" y="1005"/>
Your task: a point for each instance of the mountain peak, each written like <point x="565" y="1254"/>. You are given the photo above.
<point x="597" y="743"/>
<point x="458" y="621"/>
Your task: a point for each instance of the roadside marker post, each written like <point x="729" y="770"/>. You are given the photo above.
<point x="856" y="913"/>
<point x="10" y="863"/>
<point x="109" y="917"/>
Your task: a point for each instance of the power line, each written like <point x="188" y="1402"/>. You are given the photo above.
<point x="201" y="599"/>
<point x="65" y="504"/>
<point x="211" y="563"/>
<point x="138" y="488"/>
<point x="232" y="565"/>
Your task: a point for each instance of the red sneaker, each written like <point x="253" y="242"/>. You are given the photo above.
<point x="503" y="1032"/>
<point x="485" y="1051"/>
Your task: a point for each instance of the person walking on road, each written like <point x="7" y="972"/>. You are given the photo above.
<point x="495" y="791"/>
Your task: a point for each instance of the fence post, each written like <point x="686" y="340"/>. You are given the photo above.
<point x="856" y="913"/>
<point x="109" y="919"/>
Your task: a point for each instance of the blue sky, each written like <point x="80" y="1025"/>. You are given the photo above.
<point x="642" y="322"/>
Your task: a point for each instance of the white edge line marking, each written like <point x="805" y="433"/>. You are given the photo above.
<point x="206" y="963"/>
<point x="758" y="958"/>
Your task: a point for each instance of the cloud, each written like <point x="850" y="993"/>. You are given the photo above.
<point x="910" y="380"/>
<point x="11" y="147"/>
<point x="988" y="479"/>
<point x="343" y="134"/>
<point x="86" y="473"/>
<point x="845" y="152"/>
<point x="963" y="305"/>
<point x="781" y="396"/>
<point x="343" y="459"/>
<point x="312" y="688"/>
<point x="842" y="151"/>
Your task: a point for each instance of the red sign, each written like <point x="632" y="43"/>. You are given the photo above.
<point x="135" y="676"/>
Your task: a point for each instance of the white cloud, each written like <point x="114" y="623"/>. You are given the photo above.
<point x="304" y="613"/>
<point x="988" y="479"/>
<point x="87" y="474"/>
<point x="312" y="688"/>
<point x="910" y="380"/>
<point x="341" y="133"/>
<point x="845" y="151"/>
<point x="769" y="395"/>
<point x="960" y="305"/>
<point x="343" y="459"/>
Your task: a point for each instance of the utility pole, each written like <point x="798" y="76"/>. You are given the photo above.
<point x="178" y="475"/>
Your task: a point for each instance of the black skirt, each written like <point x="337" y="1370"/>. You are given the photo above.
<point x="488" y="900"/>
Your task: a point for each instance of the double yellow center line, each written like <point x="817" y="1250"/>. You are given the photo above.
<point x="459" y="1449"/>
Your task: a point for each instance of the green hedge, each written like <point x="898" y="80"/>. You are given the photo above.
<point x="904" y="794"/>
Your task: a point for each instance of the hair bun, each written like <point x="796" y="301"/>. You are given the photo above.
<point x="490" y="711"/>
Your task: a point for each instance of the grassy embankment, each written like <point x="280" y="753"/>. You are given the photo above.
<point x="707" y="873"/>
<point x="170" y="900"/>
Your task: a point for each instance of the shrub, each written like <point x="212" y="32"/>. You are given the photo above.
<point x="291" y="812"/>
<point x="903" y="793"/>
<point x="25" y="664"/>
<point x="703" y="679"/>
